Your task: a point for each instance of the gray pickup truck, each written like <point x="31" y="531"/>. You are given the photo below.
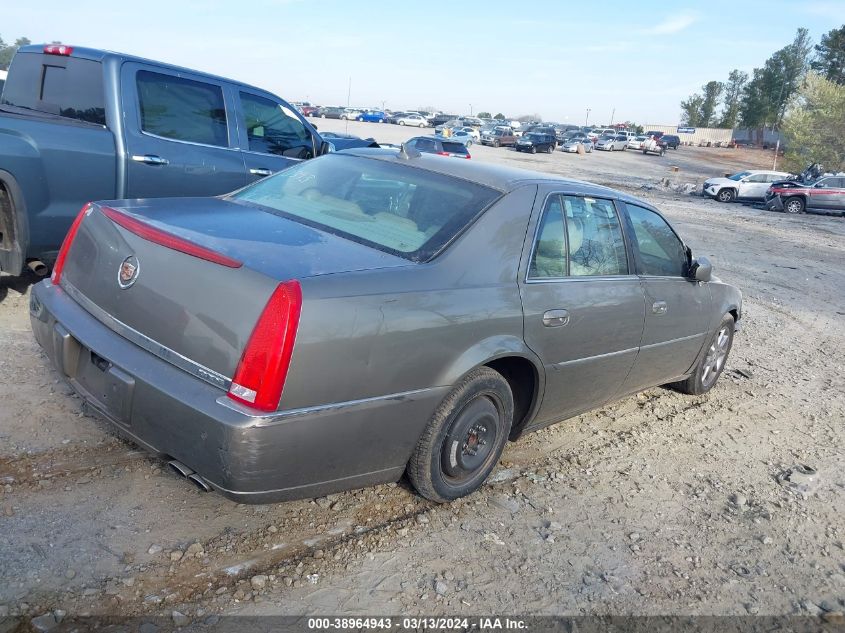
<point x="78" y="124"/>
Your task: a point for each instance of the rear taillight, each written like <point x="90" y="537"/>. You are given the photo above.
<point x="60" y="260"/>
<point x="58" y="49"/>
<point x="158" y="236"/>
<point x="263" y="368"/>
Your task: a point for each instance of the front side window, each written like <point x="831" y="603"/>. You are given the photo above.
<point x="182" y="109"/>
<point x="758" y="178"/>
<point x="661" y="253"/>
<point x="273" y="128"/>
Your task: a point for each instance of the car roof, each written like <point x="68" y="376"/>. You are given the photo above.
<point x="498" y="177"/>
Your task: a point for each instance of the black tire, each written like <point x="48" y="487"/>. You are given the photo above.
<point x="478" y="412"/>
<point x="533" y="149"/>
<point x="496" y="143"/>
<point x="551" y="149"/>
<point x="726" y="195"/>
<point x="712" y="364"/>
<point x="794" y="205"/>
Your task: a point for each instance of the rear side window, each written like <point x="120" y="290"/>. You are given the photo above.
<point x="182" y="109"/>
<point x="398" y="209"/>
<point x="273" y="128"/>
<point x="66" y="86"/>
<point x="455" y="148"/>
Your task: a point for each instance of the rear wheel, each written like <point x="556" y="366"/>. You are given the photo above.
<point x="794" y="205"/>
<point x="551" y="149"/>
<point x="533" y="149"/>
<point x="711" y="366"/>
<point x="401" y="123"/>
<point x="464" y="439"/>
<point x="726" y="195"/>
<point x="496" y="143"/>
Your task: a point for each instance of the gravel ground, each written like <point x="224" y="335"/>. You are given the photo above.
<point x="658" y="504"/>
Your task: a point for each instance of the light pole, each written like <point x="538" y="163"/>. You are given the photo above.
<point x="470" y="109"/>
<point x="587" y="120"/>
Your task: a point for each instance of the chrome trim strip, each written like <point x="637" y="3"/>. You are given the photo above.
<point x="674" y="340"/>
<point x="157" y="349"/>
<point x="576" y="361"/>
<point x="283" y="416"/>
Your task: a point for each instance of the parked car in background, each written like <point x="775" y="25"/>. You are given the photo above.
<point x="372" y="116"/>
<point x="571" y="145"/>
<point x="331" y="112"/>
<point x="462" y="136"/>
<point x="745" y="185"/>
<point x="451" y="124"/>
<point x="612" y="143"/>
<point x="636" y="142"/>
<point x="80" y="124"/>
<point x="473" y="131"/>
<point x="654" y="145"/>
<point x="269" y="395"/>
<point x="672" y="141"/>
<point x="350" y="114"/>
<point x="654" y="134"/>
<point x="471" y="121"/>
<point x="499" y="137"/>
<point x="412" y="119"/>
<point x="439" y="145"/>
<point x="440" y="119"/>
<point x="536" y="142"/>
<point x="825" y="195"/>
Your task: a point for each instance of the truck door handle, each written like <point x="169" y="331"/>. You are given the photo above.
<point x="555" y="318"/>
<point x="261" y="171"/>
<point x="150" y="159"/>
<point x="659" y="307"/>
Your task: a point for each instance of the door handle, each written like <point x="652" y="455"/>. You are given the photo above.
<point x="150" y="159"/>
<point x="659" y="307"/>
<point x="555" y="318"/>
<point x="261" y="171"/>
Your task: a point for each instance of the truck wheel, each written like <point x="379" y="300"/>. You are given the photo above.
<point x="794" y="205"/>
<point x="464" y="438"/>
<point x="726" y="195"/>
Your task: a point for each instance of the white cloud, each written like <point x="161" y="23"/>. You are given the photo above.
<point x="673" y="24"/>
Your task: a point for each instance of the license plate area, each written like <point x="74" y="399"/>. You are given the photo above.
<point x="107" y="386"/>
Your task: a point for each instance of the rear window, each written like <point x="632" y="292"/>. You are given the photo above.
<point x="455" y="148"/>
<point x="66" y="86"/>
<point x="397" y="209"/>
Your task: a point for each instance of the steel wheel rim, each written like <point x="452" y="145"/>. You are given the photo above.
<point x="714" y="362"/>
<point x="793" y="206"/>
<point x="471" y="442"/>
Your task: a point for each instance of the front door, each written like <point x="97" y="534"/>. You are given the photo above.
<point x="273" y="136"/>
<point x="676" y="308"/>
<point x="182" y="139"/>
<point x="583" y="307"/>
<point x="754" y="186"/>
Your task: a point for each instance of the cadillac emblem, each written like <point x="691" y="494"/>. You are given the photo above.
<point x="128" y="272"/>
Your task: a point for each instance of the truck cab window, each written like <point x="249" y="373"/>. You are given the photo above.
<point x="182" y="109"/>
<point x="273" y="128"/>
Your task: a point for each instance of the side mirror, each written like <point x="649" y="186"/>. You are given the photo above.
<point x="326" y="147"/>
<point x="701" y="269"/>
<point x="314" y="125"/>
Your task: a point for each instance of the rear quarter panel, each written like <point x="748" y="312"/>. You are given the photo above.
<point x="375" y="333"/>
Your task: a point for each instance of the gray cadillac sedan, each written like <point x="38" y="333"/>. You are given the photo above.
<point x="372" y="313"/>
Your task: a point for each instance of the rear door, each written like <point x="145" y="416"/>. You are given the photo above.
<point x="754" y="186"/>
<point x="272" y="136"/>
<point x="583" y="305"/>
<point x="180" y="132"/>
<point x="677" y="309"/>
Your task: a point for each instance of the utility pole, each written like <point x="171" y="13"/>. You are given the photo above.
<point x="348" y="100"/>
<point x="612" y="114"/>
<point x="470" y="109"/>
<point x="587" y="120"/>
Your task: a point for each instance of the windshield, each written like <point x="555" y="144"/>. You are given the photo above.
<point x="536" y="137"/>
<point x="740" y="175"/>
<point x="398" y="209"/>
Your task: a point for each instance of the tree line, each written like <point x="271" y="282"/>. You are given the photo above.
<point x="761" y="100"/>
<point x="7" y="51"/>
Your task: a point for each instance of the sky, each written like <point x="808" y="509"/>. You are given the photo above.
<point x="626" y="60"/>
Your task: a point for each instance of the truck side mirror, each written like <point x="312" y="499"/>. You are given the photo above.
<point x="701" y="269"/>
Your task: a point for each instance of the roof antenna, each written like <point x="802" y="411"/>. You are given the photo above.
<point x="406" y="152"/>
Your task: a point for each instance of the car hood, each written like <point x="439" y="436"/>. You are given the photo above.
<point x="720" y="181"/>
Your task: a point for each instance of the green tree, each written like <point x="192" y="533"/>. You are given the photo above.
<point x="499" y="116"/>
<point x="484" y="115"/>
<point x="712" y="92"/>
<point x="771" y="87"/>
<point x="691" y="110"/>
<point x="7" y="51"/>
<point x="830" y="56"/>
<point x="734" y="87"/>
<point x="814" y="128"/>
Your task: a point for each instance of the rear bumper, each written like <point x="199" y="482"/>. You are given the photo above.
<point x="246" y="456"/>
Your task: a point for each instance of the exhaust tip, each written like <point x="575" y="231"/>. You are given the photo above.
<point x="180" y="469"/>
<point x="38" y="267"/>
<point x="199" y="482"/>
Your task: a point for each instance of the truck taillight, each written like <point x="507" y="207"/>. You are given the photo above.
<point x="71" y="234"/>
<point x="263" y="368"/>
<point x="58" y="49"/>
